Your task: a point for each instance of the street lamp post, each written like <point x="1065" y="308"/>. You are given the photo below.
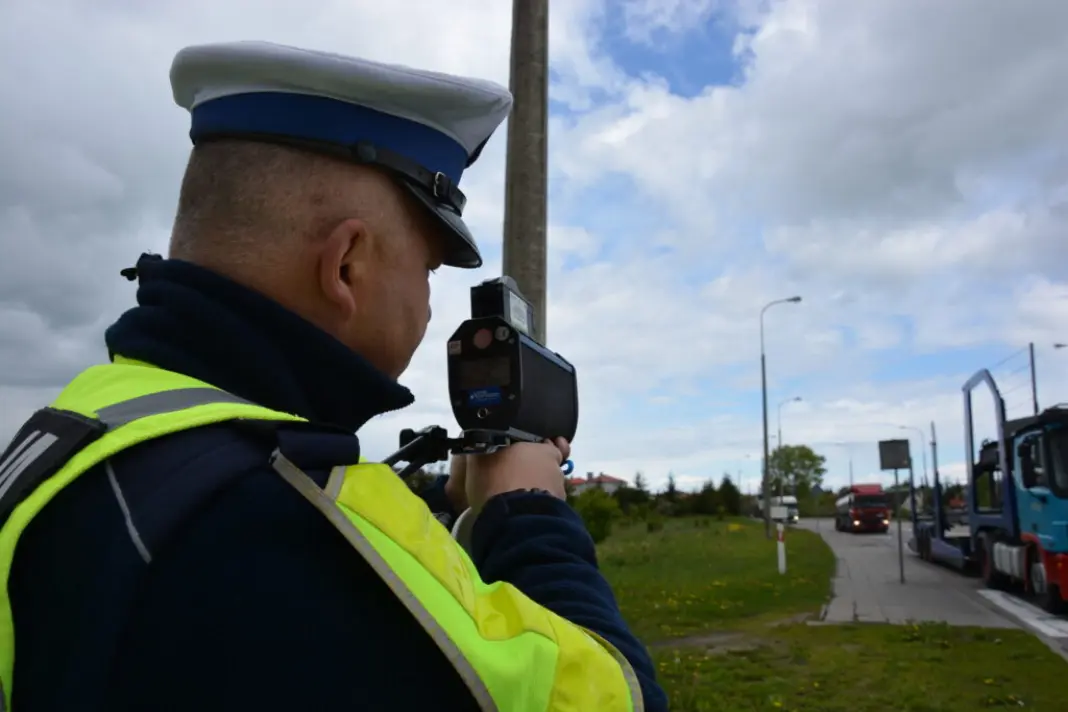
<point x="764" y="402"/>
<point x="778" y="434"/>
<point x="796" y="399"/>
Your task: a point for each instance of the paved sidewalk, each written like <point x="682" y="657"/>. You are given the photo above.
<point x="867" y="586"/>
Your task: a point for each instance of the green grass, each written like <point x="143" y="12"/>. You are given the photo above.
<point x="688" y="579"/>
<point x="710" y="602"/>
<point x="866" y="668"/>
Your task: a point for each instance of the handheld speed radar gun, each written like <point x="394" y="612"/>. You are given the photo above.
<point x="502" y="382"/>
<point x="504" y="386"/>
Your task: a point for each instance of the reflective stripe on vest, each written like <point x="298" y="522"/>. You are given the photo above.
<point x="511" y="653"/>
<point x="140" y="402"/>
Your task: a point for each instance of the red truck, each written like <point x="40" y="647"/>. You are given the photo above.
<point x="864" y="508"/>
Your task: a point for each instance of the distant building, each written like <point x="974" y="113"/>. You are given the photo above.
<point x="606" y="482"/>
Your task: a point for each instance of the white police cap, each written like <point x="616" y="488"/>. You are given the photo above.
<point x="424" y="128"/>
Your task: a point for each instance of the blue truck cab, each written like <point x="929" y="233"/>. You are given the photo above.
<point x="1016" y="533"/>
<point x="1040" y="474"/>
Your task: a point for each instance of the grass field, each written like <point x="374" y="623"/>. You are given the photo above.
<point x="688" y="579"/>
<point x="865" y="668"/>
<point x="725" y="632"/>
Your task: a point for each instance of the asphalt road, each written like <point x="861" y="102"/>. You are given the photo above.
<point x="867" y="586"/>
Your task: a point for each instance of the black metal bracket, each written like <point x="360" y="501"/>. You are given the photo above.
<point x="433" y="444"/>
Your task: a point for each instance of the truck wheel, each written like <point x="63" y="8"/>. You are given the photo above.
<point x="991" y="576"/>
<point x="1048" y="594"/>
<point x="1052" y="602"/>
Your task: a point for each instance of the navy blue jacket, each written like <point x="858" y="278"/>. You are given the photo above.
<point x="241" y="595"/>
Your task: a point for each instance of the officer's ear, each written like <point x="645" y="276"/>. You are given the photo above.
<point x="345" y="263"/>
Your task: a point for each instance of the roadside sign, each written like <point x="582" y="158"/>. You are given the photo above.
<point x="894" y="455"/>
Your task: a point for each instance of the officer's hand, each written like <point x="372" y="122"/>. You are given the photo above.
<point x="521" y="466"/>
<point x="456" y="485"/>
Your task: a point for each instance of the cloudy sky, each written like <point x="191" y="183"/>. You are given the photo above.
<point x="900" y="164"/>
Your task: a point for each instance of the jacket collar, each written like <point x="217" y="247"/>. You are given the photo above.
<point x="198" y="323"/>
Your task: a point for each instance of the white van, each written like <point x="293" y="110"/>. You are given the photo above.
<point x="783" y="509"/>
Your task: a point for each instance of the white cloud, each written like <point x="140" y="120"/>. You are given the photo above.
<point x="902" y="165"/>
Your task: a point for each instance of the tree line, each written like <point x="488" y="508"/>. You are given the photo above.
<point x="635" y="503"/>
<point x="792" y="469"/>
<point x="635" y="498"/>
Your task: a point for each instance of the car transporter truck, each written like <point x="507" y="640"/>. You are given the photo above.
<point x="1015" y="529"/>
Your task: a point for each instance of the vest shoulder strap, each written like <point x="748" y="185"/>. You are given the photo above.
<point x="103" y="411"/>
<point x="55" y="436"/>
<point x="39" y="449"/>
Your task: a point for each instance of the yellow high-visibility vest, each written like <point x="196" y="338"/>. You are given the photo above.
<point x="512" y="653"/>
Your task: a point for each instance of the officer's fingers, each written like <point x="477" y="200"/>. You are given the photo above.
<point x="564" y="447"/>
<point x="559" y="456"/>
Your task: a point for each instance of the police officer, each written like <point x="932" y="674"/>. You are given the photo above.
<point x="191" y="525"/>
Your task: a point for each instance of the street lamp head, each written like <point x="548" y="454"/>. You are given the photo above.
<point x="794" y="300"/>
<point x="797" y="399"/>
<point x="1060" y="346"/>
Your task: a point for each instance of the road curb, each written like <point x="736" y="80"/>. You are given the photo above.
<point x="991" y="606"/>
<point x="1057" y="645"/>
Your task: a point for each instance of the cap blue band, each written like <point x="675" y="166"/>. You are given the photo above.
<point x="316" y="118"/>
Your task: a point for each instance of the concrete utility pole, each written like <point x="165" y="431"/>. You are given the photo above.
<point x="526" y="172"/>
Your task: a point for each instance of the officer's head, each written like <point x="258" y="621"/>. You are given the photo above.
<point x="345" y="246"/>
<point x="330" y="184"/>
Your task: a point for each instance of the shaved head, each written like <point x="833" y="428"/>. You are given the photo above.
<point x="244" y="203"/>
<point x="340" y="244"/>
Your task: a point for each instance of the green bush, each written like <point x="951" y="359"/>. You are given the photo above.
<point x="667" y="508"/>
<point x="598" y="511"/>
<point x="654" y="522"/>
<point x="729" y="496"/>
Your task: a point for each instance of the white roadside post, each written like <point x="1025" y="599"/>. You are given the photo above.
<point x="782" y="548"/>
